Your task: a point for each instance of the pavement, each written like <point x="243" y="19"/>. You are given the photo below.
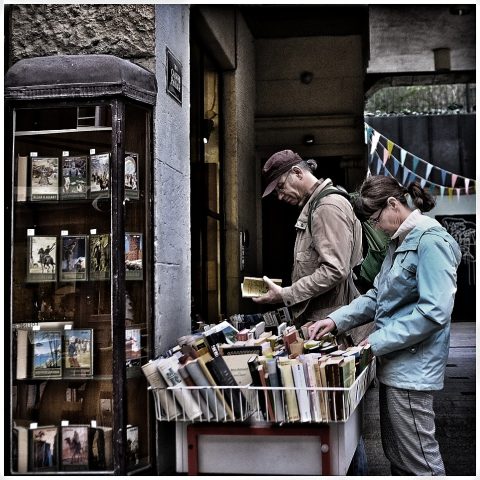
<point x="454" y="408"/>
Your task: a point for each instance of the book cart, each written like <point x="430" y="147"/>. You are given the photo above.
<point x="251" y="443"/>
<point x="78" y="153"/>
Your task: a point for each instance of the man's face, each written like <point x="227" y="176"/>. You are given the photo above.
<point x="288" y="188"/>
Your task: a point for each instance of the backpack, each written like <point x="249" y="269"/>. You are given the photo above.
<point x="375" y="242"/>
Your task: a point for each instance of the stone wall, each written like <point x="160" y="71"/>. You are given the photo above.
<point x="126" y="31"/>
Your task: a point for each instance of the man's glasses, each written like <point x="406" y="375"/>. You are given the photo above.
<point x="280" y="188"/>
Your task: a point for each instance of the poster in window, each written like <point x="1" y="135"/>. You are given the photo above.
<point x="78" y="353"/>
<point x="99" y="257"/>
<point x="74" y="178"/>
<point x="44" y="178"/>
<point x="74" y="447"/>
<point x="42" y="258"/>
<point x="133" y="256"/>
<point x="99" y="175"/>
<point x="131" y="175"/>
<point x="47" y="354"/>
<point x="74" y="258"/>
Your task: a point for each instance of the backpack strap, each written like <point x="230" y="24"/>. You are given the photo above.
<point x="316" y="200"/>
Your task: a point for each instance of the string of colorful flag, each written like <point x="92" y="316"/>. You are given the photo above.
<point x="428" y="175"/>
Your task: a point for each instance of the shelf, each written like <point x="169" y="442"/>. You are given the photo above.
<point x="69" y="130"/>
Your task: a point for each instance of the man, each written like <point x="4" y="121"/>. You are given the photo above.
<point x="327" y="247"/>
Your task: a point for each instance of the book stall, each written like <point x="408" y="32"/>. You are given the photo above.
<point x="255" y="387"/>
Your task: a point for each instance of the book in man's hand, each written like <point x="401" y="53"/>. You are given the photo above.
<point x="256" y="287"/>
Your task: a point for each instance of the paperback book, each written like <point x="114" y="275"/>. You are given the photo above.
<point x="133" y="256"/>
<point x="256" y="287"/>
<point x="74" y="447"/>
<point x="43" y="449"/>
<point x="74" y="258"/>
<point x="44" y="178"/>
<point x="47" y="354"/>
<point x="78" y="353"/>
<point x="42" y="259"/>
<point x="99" y="257"/>
<point x="74" y="177"/>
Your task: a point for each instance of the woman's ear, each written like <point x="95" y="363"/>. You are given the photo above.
<point x="393" y="202"/>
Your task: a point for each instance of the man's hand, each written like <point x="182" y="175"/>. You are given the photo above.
<point x="274" y="294"/>
<point x="320" y="328"/>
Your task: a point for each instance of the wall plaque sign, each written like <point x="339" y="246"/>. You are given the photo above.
<point x="174" y="77"/>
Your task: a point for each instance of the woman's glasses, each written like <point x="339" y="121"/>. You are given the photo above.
<point x="376" y="220"/>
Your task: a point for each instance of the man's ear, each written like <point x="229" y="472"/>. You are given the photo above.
<point x="297" y="171"/>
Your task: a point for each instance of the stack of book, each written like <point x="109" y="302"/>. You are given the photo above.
<point x="226" y="375"/>
<point x="52" y="448"/>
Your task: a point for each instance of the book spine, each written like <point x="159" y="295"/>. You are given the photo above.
<point x="195" y="371"/>
<point x="301" y="392"/>
<point x="22" y="173"/>
<point x="274" y="381"/>
<point x="293" y="414"/>
<point x="168" y="367"/>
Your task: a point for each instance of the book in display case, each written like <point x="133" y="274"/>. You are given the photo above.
<point x="80" y="311"/>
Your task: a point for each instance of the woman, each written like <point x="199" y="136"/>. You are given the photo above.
<point x="411" y="304"/>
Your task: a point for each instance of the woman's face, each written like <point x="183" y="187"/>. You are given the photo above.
<point x="388" y="218"/>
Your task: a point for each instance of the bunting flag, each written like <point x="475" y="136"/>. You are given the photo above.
<point x="390" y="146"/>
<point x="444" y="176"/>
<point x="415" y="161"/>
<point x="386" y="154"/>
<point x="389" y="162"/>
<point x="375" y="140"/>
<point x="428" y="169"/>
<point x="454" y="179"/>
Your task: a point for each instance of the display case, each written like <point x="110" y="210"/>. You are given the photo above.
<point x="80" y="285"/>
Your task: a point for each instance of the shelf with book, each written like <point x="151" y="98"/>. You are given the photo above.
<point x="340" y="402"/>
<point x="80" y="270"/>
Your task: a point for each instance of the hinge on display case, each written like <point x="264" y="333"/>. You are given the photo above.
<point x="119" y="131"/>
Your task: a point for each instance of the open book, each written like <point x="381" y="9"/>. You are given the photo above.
<point x="255" y="286"/>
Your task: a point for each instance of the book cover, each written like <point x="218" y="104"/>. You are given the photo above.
<point x="197" y="395"/>
<point x="286" y="375"/>
<point x="133" y="256"/>
<point x="22" y="350"/>
<point x="47" y="354"/>
<point x="131" y="175"/>
<point x="44" y="178"/>
<point x="133" y="345"/>
<point x="42" y="259"/>
<point x="266" y="393"/>
<point x="99" y="257"/>
<point x="309" y="362"/>
<point x="74" y="447"/>
<point x="73" y="267"/>
<point x="74" y="177"/>
<point x="100" y="448"/>
<point x="332" y="372"/>
<point x="347" y="371"/>
<point x="277" y="397"/>
<point x="202" y="361"/>
<point x="132" y="450"/>
<point x="215" y="404"/>
<point x="256" y="287"/>
<point x="78" y="352"/>
<point x="253" y="364"/>
<point x="99" y="175"/>
<point x="301" y="392"/>
<point x="238" y="365"/>
<point x="43" y="449"/>
<point x="223" y="377"/>
<point x="22" y="175"/>
<point x="168" y="368"/>
<point x="20" y="449"/>
<point x="241" y="350"/>
<point x="165" y="400"/>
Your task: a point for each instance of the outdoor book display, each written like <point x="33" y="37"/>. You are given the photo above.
<point x="80" y="312"/>
<point x="222" y="375"/>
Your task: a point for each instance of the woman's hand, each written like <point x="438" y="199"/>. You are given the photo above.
<point x="320" y="328"/>
<point x="274" y="294"/>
